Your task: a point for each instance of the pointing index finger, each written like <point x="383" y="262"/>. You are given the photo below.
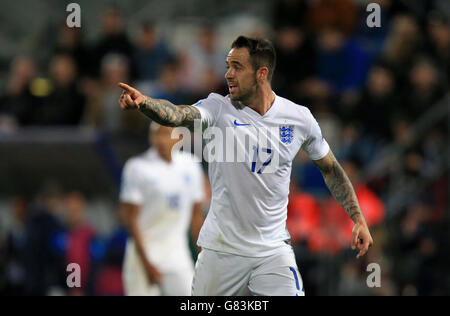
<point x="361" y="253"/>
<point x="363" y="249"/>
<point x="126" y="87"/>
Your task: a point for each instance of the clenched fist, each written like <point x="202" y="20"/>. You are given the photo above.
<point x="130" y="97"/>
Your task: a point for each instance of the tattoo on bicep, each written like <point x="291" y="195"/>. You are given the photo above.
<point x="341" y="188"/>
<point x="169" y="114"/>
<point x="190" y="114"/>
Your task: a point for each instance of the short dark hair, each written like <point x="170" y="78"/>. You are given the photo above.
<point x="262" y="53"/>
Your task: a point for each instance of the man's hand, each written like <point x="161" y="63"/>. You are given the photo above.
<point x="153" y="274"/>
<point x="361" y="238"/>
<point x="161" y="111"/>
<point x="130" y="97"/>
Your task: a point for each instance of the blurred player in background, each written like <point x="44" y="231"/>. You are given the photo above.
<point x="161" y="195"/>
<point x="244" y="240"/>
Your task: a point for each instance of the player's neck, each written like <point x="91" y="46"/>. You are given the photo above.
<point x="263" y="99"/>
<point x="166" y="156"/>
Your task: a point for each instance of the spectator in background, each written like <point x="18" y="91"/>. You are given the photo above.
<point x="372" y="39"/>
<point x="438" y="31"/>
<point x="350" y="141"/>
<point x="378" y="104"/>
<point x="15" y="249"/>
<point x="203" y="63"/>
<point x="64" y="104"/>
<point x="46" y="245"/>
<point x="79" y="240"/>
<point x="330" y="123"/>
<point x="101" y="109"/>
<point x="69" y="42"/>
<point x="351" y="282"/>
<point x="167" y="87"/>
<point x="151" y="53"/>
<point x="17" y="103"/>
<point x="417" y="248"/>
<point x="289" y="13"/>
<point x="434" y="148"/>
<point x="424" y="87"/>
<point x="342" y="14"/>
<point x="113" y="67"/>
<point x="295" y="61"/>
<point x="413" y="165"/>
<point x="113" y="40"/>
<point x="421" y="9"/>
<point x="402" y="131"/>
<point x="402" y="44"/>
<point x="109" y="277"/>
<point x="341" y="63"/>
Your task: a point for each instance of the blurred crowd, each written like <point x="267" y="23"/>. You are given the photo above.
<point x="49" y="233"/>
<point x="371" y="89"/>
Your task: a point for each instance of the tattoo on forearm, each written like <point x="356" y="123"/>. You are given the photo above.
<point x="341" y="188"/>
<point x="169" y="114"/>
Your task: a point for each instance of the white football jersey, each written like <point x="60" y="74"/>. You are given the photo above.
<point x="166" y="193"/>
<point x="248" y="210"/>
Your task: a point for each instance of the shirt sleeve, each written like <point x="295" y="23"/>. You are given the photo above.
<point x="209" y="109"/>
<point x="130" y="190"/>
<point x="315" y="146"/>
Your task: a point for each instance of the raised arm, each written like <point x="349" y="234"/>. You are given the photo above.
<point x="342" y="190"/>
<point x="160" y="111"/>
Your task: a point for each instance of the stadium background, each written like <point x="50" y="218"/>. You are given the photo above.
<point x="379" y="94"/>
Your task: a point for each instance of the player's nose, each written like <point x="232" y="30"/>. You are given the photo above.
<point x="229" y="74"/>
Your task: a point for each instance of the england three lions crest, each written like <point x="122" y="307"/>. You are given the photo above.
<point x="286" y="133"/>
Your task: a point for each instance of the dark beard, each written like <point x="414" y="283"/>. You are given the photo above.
<point x="249" y="95"/>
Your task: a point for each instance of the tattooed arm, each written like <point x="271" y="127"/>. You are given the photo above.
<point x="342" y="190"/>
<point x="160" y="111"/>
<point x="168" y="114"/>
<point x="339" y="185"/>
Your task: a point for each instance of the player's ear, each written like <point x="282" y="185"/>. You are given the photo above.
<point x="262" y="74"/>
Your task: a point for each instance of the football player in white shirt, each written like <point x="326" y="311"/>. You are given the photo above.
<point x="244" y="240"/>
<point x="161" y="195"/>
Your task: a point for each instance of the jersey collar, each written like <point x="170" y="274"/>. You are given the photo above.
<point x="268" y="114"/>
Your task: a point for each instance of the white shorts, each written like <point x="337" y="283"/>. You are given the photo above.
<point x="173" y="283"/>
<point x="224" y="274"/>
